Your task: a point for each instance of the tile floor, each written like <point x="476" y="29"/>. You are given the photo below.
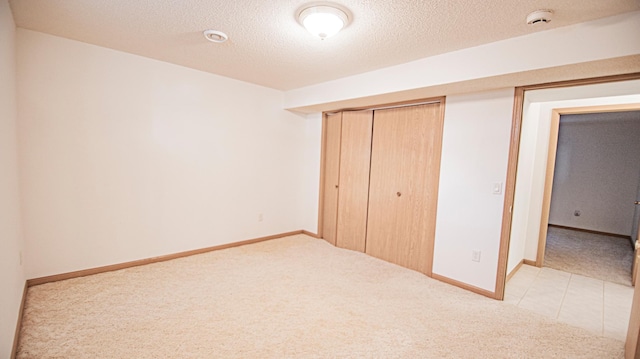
<point x="598" y="306"/>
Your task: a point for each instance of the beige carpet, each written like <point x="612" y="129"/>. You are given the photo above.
<point x="294" y="297"/>
<point x="597" y="256"/>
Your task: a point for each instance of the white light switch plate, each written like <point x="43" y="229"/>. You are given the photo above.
<point x="497" y="188"/>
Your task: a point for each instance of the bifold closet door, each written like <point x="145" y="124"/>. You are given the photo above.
<point x="405" y="166"/>
<point x="332" y="134"/>
<point x="353" y="191"/>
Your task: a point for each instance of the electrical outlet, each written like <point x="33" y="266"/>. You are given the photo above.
<point x="577" y="213"/>
<point x="260" y="217"/>
<point x="475" y="256"/>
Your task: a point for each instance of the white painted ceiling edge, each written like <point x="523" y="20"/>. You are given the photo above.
<point x="624" y="88"/>
<point x="267" y="46"/>
<point x="607" y="46"/>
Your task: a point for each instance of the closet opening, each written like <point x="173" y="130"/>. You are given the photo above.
<point x="379" y="180"/>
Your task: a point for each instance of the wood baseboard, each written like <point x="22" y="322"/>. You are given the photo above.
<point x="310" y="234"/>
<point x="530" y="262"/>
<point x="113" y="267"/>
<point x="466" y="286"/>
<point x="16" y="336"/>
<point x="515" y="270"/>
<point x="591" y="231"/>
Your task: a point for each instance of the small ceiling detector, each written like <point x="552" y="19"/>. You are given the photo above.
<point x="215" y="36"/>
<point x="539" y="17"/>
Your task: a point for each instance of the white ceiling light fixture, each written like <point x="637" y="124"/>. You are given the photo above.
<point x="215" y="36"/>
<point x="324" y="20"/>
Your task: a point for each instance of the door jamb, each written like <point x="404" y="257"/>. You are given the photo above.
<point x="323" y="159"/>
<point x="505" y="234"/>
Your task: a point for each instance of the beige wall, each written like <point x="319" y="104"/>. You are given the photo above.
<point x="475" y="151"/>
<point x="11" y="272"/>
<point x="125" y="157"/>
<point x="596" y="173"/>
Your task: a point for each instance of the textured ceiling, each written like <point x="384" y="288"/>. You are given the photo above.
<point x="268" y="47"/>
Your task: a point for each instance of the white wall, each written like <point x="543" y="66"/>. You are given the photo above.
<point x="12" y="278"/>
<point x="596" y="172"/>
<point x="310" y="181"/>
<point x="534" y="146"/>
<point x="530" y="176"/>
<point x="610" y="37"/>
<point x="125" y="157"/>
<point x="475" y="152"/>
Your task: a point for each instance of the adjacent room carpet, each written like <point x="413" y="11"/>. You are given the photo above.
<point x="294" y="297"/>
<point x="593" y="255"/>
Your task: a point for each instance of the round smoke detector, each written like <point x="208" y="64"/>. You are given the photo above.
<point x="215" y="36"/>
<point x="539" y="17"/>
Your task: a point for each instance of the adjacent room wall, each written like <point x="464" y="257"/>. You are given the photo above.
<point x="475" y="150"/>
<point x="125" y="157"/>
<point x="12" y="278"/>
<point x="596" y="173"/>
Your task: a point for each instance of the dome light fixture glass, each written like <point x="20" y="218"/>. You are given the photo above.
<point x="323" y="21"/>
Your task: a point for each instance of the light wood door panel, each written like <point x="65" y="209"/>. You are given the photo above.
<point x="631" y="348"/>
<point x="332" y="134"/>
<point x="355" y="159"/>
<point x="405" y="166"/>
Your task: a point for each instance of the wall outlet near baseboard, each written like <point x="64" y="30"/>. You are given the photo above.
<point x="475" y="255"/>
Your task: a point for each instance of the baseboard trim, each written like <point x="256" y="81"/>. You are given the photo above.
<point x="530" y="262"/>
<point x="515" y="270"/>
<point x="140" y="262"/>
<point x="16" y="337"/>
<point x="310" y="234"/>
<point x="466" y="286"/>
<point x="591" y="231"/>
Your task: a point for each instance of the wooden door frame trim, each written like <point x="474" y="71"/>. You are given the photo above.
<point x="509" y="193"/>
<point x="634" y="265"/>
<point x="551" y="162"/>
<point x="505" y="235"/>
<point x="432" y="245"/>
<point x="323" y="159"/>
<point x="548" y="185"/>
<point x="632" y="339"/>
